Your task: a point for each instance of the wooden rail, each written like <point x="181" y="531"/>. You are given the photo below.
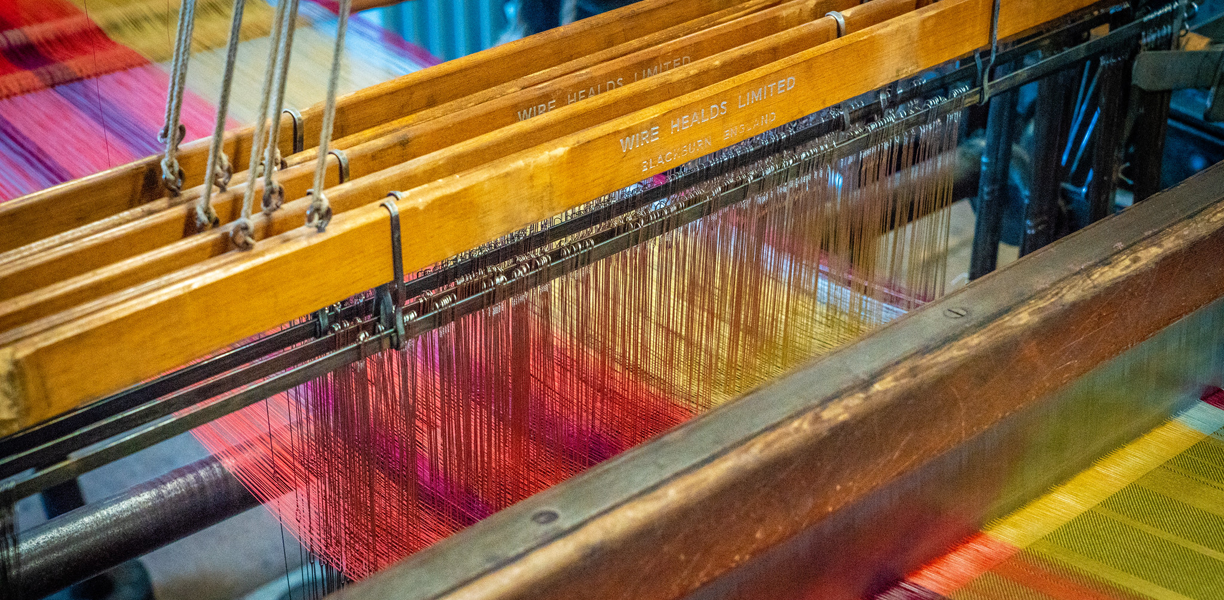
<point x="145" y="331"/>
<point x="412" y="142"/>
<point x="404" y="139"/>
<point x="63" y="207"/>
<point x="574" y="66"/>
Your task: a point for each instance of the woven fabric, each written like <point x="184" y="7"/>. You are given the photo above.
<point x="1144" y="522"/>
<point x="83" y="82"/>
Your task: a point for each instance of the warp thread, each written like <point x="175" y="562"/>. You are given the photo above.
<point x="388" y="455"/>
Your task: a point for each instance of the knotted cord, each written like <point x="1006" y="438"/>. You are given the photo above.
<point x="172" y="134"/>
<point x="219" y="169"/>
<point x="319" y="214"/>
<point x="274" y="192"/>
<point x="242" y="233"/>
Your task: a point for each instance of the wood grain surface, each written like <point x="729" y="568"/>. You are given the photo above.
<point x="236" y="295"/>
<point x="66" y="206"/>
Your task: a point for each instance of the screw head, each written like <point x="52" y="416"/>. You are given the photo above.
<point x="955" y="312"/>
<point x="545" y="517"/>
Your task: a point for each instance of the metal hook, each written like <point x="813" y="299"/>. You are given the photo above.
<point x="390" y="297"/>
<point x="841" y="21"/>
<point x="343" y="161"/>
<point x="984" y="74"/>
<point x="299" y="131"/>
<point x="883" y="98"/>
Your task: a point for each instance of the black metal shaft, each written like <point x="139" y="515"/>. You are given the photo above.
<point x="1112" y="102"/>
<point x="992" y="184"/>
<point x="1041" y="210"/>
<point x="1151" y="125"/>
<point x="62" y="498"/>
<point x="102" y="535"/>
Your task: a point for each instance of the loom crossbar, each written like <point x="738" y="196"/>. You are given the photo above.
<point x="42" y="445"/>
<point x="63" y="207"/>
<point x="37" y="378"/>
<point x="790" y="486"/>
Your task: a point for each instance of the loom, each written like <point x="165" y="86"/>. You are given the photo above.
<point x="652" y="305"/>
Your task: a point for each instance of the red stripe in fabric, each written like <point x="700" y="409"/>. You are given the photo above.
<point x="1214" y="396"/>
<point x="951" y="572"/>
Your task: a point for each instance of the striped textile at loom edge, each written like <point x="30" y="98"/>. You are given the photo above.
<point x="75" y="109"/>
<point x="1144" y="522"/>
<point x="46" y="43"/>
<point x="54" y="135"/>
<point x="76" y="102"/>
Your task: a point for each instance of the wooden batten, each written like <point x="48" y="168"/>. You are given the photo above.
<point x="847" y="471"/>
<point x="396" y="142"/>
<point x="240" y="294"/>
<point x="73" y="204"/>
<point x="579" y="66"/>
<point x="410" y="143"/>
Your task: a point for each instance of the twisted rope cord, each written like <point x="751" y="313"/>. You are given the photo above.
<point x="220" y="174"/>
<point x="172" y="175"/>
<point x="274" y="192"/>
<point x="242" y="233"/>
<point x="320" y="213"/>
<point x="175" y="62"/>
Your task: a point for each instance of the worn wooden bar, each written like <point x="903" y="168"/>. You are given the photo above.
<point x="835" y="480"/>
<point x="409" y="138"/>
<point x="72" y="204"/>
<point x="403" y="145"/>
<point x="578" y="65"/>
<point x="240" y="294"/>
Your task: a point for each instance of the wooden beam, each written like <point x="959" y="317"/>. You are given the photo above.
<point x="63" y="207"/>
<point x="575" y="66"/>
<point x="411" y="137"/>
<point x="239" y="295"/>
<point x="829" y="482"/>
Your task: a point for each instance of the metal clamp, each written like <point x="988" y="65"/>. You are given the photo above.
<point x="883" y="97"/>
<point x="299" y="130"/>
<point x="984" y="74"/>
<point x="389" y="297"/>
<point x="343" y="161"/>
<point x="324" y="319"/>
<point x="841" y="21"/>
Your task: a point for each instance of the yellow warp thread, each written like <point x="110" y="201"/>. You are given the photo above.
<point x="149" y="26"/>
<point x="1147" y="521"/>
<point x="1109" y="476"/>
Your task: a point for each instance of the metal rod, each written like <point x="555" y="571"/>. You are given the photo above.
<point x="95" y="432"/>
<point x="992" y="186"/>
<point x="97" y="537"/>
<point x="1151" y="125"/>
<point x="133" y="397"/>
<point x="1041" y="211"/>
<point x="198" y="415"/>
<point x="1112" y="102"/>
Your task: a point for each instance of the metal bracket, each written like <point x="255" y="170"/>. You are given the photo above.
<point x="299" y="131"/>
<point x="841" y="21"/>
<point x="343" y="162"/>
<point x="323" y="320"/>
<point x="389" y="297"/>
<point x="984" y="73"/>
<point x="1162" y="70"/>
